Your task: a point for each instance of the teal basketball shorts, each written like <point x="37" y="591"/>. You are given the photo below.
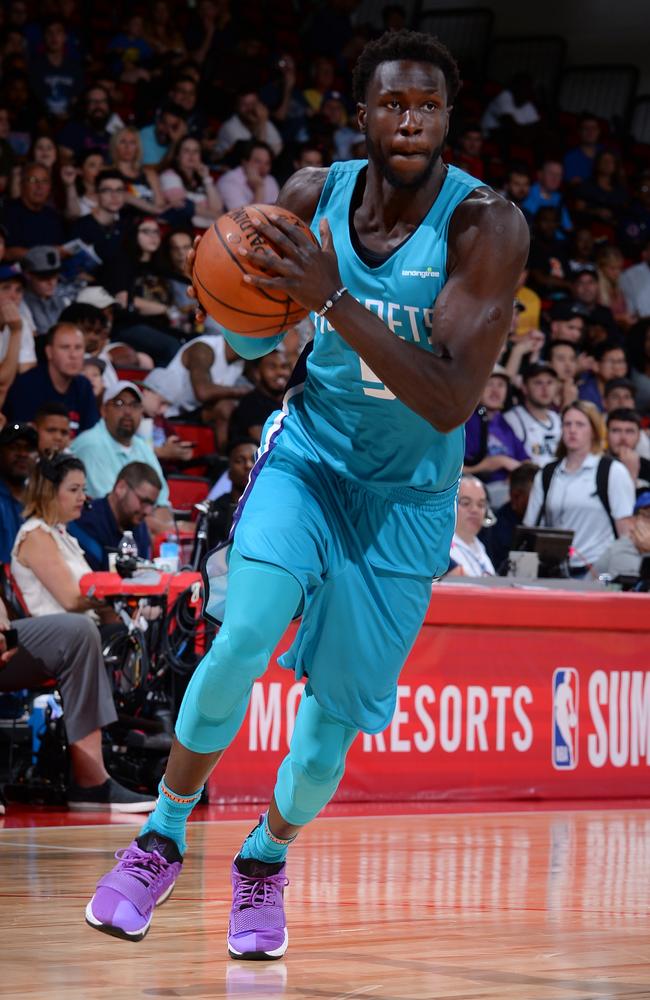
<point x="365" y="560"/>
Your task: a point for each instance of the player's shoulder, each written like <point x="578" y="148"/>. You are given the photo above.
<point x="301" y="193"/>
<point x="483" y="206"/>
<point x="485" y="222"/>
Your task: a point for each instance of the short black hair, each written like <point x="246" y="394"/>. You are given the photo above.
<point x="619" y="383"/>
<point x="241" y="439"/>
<point x="415" y="46"/>
<point x="600" y="350"/>
<point x="51" y="409"/>
<point x="79" y="313"/>
<point x="562" y="343"/>
<point x="108" y="174"/>
<point x="244" y="149"/>
<point x="624" y="414"/>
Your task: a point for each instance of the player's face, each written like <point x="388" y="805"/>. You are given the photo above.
<point x="406" y="120"/>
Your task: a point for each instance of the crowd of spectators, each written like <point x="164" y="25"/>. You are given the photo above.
<point x="124" y="134"/>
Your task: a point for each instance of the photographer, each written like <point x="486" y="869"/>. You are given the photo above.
<point x="66" y="648"/>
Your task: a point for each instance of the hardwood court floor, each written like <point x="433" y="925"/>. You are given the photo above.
<point x="465" y="906"/>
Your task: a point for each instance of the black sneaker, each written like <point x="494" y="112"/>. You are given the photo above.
<point x="110" y="796"/>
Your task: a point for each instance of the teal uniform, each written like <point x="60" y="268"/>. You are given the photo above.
<point x="353" y="493"/>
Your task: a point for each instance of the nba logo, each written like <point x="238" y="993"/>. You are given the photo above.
<point x="565" y="719"/>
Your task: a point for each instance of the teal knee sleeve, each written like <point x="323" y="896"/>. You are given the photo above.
<point x="262" y="599"/>
<point x="310" y="773"/>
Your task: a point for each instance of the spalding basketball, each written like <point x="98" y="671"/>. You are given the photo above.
<point x="219" y="269"/>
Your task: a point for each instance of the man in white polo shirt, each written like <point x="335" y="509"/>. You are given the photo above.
<point x="113" y="442"/>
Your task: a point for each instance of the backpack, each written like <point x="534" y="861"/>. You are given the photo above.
<point x="602" y="484"/>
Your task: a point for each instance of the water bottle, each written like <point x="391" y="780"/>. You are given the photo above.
<point x="170" y="552"/>
<point x="127" y="555"/>
<point x="37" y="722"/>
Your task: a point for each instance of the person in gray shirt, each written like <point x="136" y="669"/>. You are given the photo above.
<point x="44" y="293"/>
<point x="624" y="556"/>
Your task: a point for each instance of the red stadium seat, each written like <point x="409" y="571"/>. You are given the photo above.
<point x="185" y="491"/>
<point x="202" y="437"/>
<point x="132" y="374"/>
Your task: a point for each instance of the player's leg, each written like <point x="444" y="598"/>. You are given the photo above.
<point x="262" y="599"/>
<point x="307" y="779"/>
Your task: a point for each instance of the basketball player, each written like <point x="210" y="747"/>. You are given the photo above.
<point x="350" y="509"/>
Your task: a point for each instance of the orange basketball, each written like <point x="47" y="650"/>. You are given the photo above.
<point x="219" y="270"/>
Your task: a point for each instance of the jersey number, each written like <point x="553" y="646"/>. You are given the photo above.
<point x="378" y="390"/>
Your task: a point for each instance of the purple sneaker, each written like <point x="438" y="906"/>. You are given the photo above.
<point x="257" y="928"/>
<point x="143" y="877"/>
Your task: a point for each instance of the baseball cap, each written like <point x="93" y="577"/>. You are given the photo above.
<point x="42" y="260"/>
<point x="564" y="310"/>
<point x="118" y="387"/>
<point x="11" y="272"/>
<point x="18" y="432"/>
<point x="156" y="382"/>
<point x="642" y="501"/>
<point x="96" y="296"/>
<point x="538" y="368"/>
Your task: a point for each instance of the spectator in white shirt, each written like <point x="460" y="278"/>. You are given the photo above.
<point x="251" y="182"/>
<point x="250" y="121"/>
<point x="514" y="105"/>
<point x="572" y="501"/>
<point x="537" y="426"/>
<point x="468" y="554"/>
<point x="188" y="187"/>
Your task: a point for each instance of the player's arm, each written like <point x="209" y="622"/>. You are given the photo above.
<point x="488" y="245"/>
<point x="300" y="194"/>
<point x="198" y="359"/>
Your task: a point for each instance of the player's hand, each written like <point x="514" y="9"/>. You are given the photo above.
<point x="309" y="273"/>
<point x="199" y="315"/>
